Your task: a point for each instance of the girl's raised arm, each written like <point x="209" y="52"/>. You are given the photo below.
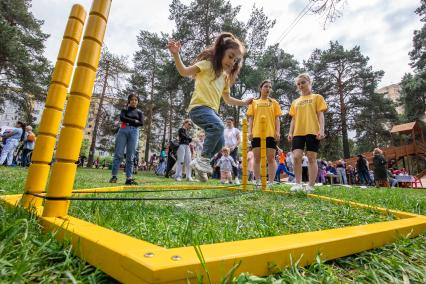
<point x="174" y="48"/>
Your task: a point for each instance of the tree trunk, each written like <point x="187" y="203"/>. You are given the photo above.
<point x="170" y="116"/>
<point x="346" y="152"/>
<point x="149" y="120"/>
<point x="163" y="140"/>
<point x="148" y="132"/>
<point x="98" y="119"/>
<point x="207" y="23"/>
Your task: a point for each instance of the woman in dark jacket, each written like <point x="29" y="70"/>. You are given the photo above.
<point x="127" y="138"/>
<point x="362" y="170"/>
<point x="380" y="172"/>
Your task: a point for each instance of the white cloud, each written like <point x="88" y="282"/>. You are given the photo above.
<point x="383" y="29"/>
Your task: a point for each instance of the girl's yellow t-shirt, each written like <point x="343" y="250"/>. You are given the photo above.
<point x="208" y="90"/>
<point x="270" y="108"/>
<point x="304" y="112"/>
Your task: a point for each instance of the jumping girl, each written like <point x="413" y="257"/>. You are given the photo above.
<point x="215" y="69"/>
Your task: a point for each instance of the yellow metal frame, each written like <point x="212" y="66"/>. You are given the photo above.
<point x="130" y="260"/>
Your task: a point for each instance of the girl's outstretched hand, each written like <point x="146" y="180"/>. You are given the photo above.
<point x="173" y="46"/>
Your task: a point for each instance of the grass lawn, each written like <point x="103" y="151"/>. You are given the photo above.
<point x="28" y="255"/>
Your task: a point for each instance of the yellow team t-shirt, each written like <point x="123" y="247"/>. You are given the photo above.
<point x="304" y="112"/>
<point x="270" y="108"/>
<point x="208" y="90"/>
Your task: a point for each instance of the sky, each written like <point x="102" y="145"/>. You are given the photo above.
<point x="382" y="28"/>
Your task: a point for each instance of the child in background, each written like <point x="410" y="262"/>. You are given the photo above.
<point x="215" y="70"/>
<point x="226" y="162"/>
<point x="281" y="165"/>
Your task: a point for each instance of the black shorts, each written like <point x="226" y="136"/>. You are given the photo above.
<point x="310" y="140"/>
<point x="270" y="142"/>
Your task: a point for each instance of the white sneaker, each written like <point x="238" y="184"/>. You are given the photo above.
<point x="178" y="179"/>
<point x="256" y="184"/>
<point x="296" y="188"/>
<point x="237" y="181"/>
<point x="309" y="189"/>
<point x="190" y="179"/>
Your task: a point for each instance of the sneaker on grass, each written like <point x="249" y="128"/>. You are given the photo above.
<point x="296" y="188"/>
<point x="113" y="179"/>
<point x="237" y="181"/>
<point x="131" y="181"/>
<point x="309" y="189"/>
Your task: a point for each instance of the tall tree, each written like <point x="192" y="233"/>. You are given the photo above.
<point x="24" y="71"/>
<point x="373" y="120"/>
<point x="418" y="54"/>
<point x="145" y="80"/>
<point x="413" y="95"/>
<point x="343" y="77"/>
<point x="111" y="71"/>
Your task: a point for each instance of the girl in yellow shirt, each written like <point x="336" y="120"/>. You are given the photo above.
<point x="306" y="129"/>
<point x="270" y="108"/>
<point x="215" y="70"/>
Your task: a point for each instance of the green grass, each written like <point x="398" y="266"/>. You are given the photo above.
<point x="27" y="255"/>
<point x="239" y="217"/>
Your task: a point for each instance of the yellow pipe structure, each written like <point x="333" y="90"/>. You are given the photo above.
<point x="52" y="113"/>
<point x="244" y="150"/>
<point x="263" y="151"/>
<point x="129" y="260"/>
<point x="75" y="118"/>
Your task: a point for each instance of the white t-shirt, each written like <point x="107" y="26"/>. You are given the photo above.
<point x="305" y="161"/>
<point x="231" y="137"/>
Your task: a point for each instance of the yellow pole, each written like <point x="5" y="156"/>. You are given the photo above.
<point x="263" y="151"/>
<point x="52" y="113"/>
<point x="244" y="150"/>
<point x="64" y="170"/>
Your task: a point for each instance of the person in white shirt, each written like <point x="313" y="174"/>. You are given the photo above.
<point x="232" y="141"/>
<point x="305" y="164"/>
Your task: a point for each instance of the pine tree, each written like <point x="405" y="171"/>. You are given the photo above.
<point x="24" y="71"/>
<point x="344" y="78"/>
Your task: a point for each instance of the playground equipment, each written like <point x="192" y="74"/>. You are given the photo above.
<point x="410" y="151"/>
<point x="130" y="260"/>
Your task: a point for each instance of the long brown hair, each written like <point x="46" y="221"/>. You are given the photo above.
<point x="215" y="53"/>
